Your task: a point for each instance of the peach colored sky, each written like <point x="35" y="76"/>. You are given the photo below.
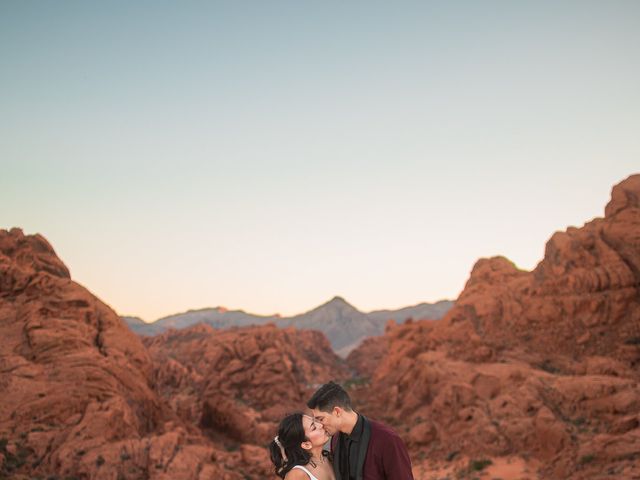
<point x="268" y="156"/>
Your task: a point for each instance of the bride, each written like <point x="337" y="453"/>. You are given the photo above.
<point x="297" y="451"/>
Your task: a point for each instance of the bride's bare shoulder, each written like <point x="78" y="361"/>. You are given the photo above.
<point x="296" y="474"/>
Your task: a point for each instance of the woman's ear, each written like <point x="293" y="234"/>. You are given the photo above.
<point x="306" y="445"/>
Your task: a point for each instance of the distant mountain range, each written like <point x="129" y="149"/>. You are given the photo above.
<point x="343" y="324"/>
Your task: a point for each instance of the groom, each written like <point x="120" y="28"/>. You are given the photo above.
<point x="363" y="449"/>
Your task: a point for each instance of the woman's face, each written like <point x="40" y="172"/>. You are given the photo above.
<point x="314" y="431"/>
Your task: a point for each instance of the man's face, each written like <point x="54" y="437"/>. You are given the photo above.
<point x="329" y="420"/>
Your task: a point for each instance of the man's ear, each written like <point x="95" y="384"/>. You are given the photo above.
<point x="337" y="411"/>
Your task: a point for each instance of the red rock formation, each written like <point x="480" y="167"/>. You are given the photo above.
<point x="537" y="371"/>
<point x="241" y="381"/>
<point x="582" y="299"/>
<point x="365" y="359"/>
<point x="541" y="366"/>
<point x="77" y="388"/>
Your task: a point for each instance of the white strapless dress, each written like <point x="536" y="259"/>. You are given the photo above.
<point x="311" y="476"/>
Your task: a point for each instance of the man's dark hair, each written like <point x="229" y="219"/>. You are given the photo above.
<point x="328" y="396"/>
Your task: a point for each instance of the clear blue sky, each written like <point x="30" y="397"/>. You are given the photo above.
<point x="269" y="155"/>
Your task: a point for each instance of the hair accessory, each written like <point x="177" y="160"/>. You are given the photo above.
<point x="284" y="455"/>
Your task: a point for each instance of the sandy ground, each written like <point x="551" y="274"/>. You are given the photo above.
<point x="502" y="468"/>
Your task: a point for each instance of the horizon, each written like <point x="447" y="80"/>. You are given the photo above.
<point x="263" y="157"/>
<point x="233" y="309"/>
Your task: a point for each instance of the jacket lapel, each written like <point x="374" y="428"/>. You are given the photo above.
<point x="363" y="446"/>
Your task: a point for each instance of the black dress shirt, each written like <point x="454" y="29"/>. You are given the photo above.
<point x="349" y="451"/>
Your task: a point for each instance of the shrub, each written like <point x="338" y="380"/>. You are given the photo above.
<point x="587" y="459"/>
<point x="548" y="367"/>
<point x="356" y="382"/>
<point x="478" y="465"/>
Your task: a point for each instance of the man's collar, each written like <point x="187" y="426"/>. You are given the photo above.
<point x="356" y="433"/>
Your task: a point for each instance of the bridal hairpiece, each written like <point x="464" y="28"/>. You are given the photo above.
<point x="284" y="455"/>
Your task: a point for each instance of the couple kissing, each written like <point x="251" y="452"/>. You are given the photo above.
<point x="360" y="448"/>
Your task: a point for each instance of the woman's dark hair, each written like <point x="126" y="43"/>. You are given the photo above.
<point x="290" y="435"/>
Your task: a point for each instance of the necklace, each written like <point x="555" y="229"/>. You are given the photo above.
<point x="317" y="461"/>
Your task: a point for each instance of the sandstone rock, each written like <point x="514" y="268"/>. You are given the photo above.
<point x="541" y="365"/>
<point x="77" y="386"/>
<point x="241" y="381"/>
<point x="367" y="356"/>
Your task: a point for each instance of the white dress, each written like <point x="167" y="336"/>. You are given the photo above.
<point x="311" y="476"/>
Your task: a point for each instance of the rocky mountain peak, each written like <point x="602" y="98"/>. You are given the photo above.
<point x="624" y="195"/>
<point x="337" y="303"/>
<point x="29" y="255"/>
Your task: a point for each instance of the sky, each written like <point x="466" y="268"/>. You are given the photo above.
<point x="267" y="156"/>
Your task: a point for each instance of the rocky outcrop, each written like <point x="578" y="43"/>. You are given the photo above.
<point x="582" y="299"/>
<point x="241" y="381"/>
<point x="541" y="366"/>
<point x="365" y="359"/>
<point x="78" y="397"/>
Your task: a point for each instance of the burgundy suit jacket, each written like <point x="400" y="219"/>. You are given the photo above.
<point x="386" y="455"/>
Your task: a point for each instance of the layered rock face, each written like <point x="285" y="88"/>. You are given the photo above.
<point x="539" y="366"/>
<point x="365" y="359"/>
<point x="77" y="385"/>
<point x="241" y="382"/>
